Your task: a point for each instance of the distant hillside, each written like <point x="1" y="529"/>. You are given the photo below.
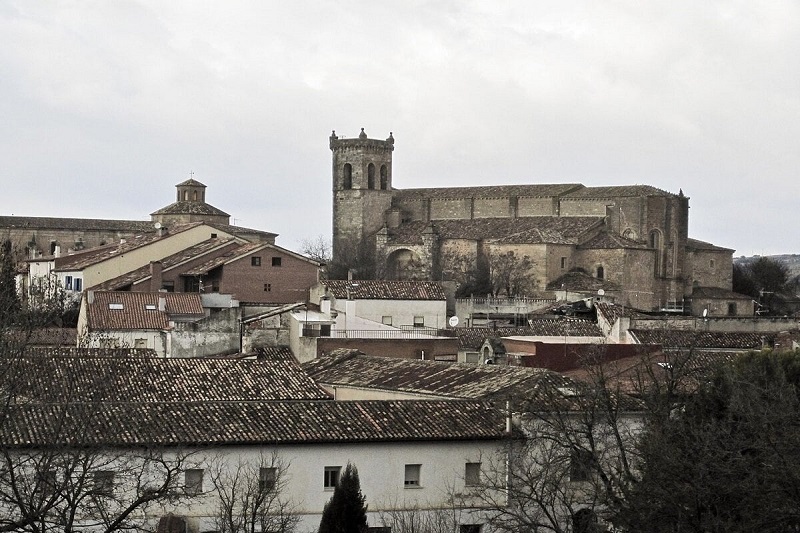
<point x="792" y="262"/>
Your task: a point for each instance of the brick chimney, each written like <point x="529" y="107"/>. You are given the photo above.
<point x="155" y="276"/>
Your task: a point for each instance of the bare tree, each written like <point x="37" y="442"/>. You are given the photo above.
<point x="249" y="496"/>
<point x="318" y="248"/>
<point x="511" y="274"/>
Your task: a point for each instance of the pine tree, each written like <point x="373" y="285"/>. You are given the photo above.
<point x="9" y="299"/>
<point x="345" y="512"/>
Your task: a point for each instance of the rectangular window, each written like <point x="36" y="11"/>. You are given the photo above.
<point x="731" y="309"/>
<point x="472" y="474"/>
<point x="78" y="284"/>
<point x="47" y="482"/>
<point x="276" y="261"/>
<point x="140" y="343"/>
<point x="580" y="465"/>
<point x="68" y="283"/>
<point x="469" y="528"/>
<point x="193" y="481"/>
<point x="168" y="286"/>
<point x="419" y="321"/>
<point x="331" y="477"/>
<point x="412" y="476"/>
<point x="563" y="263"/>
<point x="324" y="330"/>
<point x="255" y="261"/>
<point x="268" y="287"/>
<point x="266" y="478"/>
<point x="386" y="320"/>
<point x="103" y="482"/>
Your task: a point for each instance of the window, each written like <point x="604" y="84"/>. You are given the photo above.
<point x="412" y="476"/>
<point x="266" y="478"/>
<point x="580" y="465"/>
<point x="347" y="182"/>
<point x="213" y="235"/>
<point x="731" y="309"/>
<point x="276" y="261"/>
<point x="469" y="528"/>
<point x="324" y="330"/>
<point x="371" y="176"/>
<point x="472" y="474"/>
<point x="267" y="287"/>
<point x="116" y="307"/>
<point x="47" y="482"/>
<point x="140" y="343"/>
<point x="563" y="263"/>
<point x="193" y="481"/>
<point x="192" y="284"/>
<point x="255" y="261"/>
<point x="386" y="320"/>
<point x="711" y="263"/>
<point x="168" y="286"/>
<point x="331" y="477"/>
<point x="68" y="283"/>
<point x="103" y="482"/>
<point x="78" y="284"/>
<point x="419" y="321"/>
<point x="601" y="272"/>
<point x="384" y="178"/>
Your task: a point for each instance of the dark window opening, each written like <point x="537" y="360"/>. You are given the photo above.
<point x="276" y="261"/>
<point x="371" y="176"/>
<point x="168" y="286"/>
<point x="600" y="272"/>
<point x="267" y="287"/>
<point x="384" y="178"/>
<point x="255" y="261"/>
<point x="347" y="178"/>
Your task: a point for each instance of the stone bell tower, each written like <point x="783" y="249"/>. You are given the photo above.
<point x="362" y="193"/>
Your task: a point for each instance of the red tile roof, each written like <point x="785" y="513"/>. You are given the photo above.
<point x="385" y="290"/>
<point x="84" y="375"/>
<point x="489" y="191"/>
<point x="113" y="310"/>
<point x="251" y="422"/>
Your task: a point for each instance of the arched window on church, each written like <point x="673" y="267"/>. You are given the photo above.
<point x="371" y="176"/>
<point x="185" y="195"/>
<point x="656" y="244"/>
<point x="194" y="196"/>
<point x="600" y="272"/>
<point x="384" y="178"/>
<point x="347" y="178"/>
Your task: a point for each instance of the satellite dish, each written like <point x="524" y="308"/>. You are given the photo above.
<point x="157" y="225"/>
<point x="600" y="292"/>
<point x="453" y="321"/>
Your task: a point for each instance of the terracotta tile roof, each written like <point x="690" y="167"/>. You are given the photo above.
<point x="545" y="229"/>
<point x="527" y="388"/>
<point x="607" y="240"/>
<point x="581" y="281"/>
<point x="694" y="244"/>
<point x="718" y="293"/>
<point x="637" y="375"/>
<point x="385" y="290"/>
<point x="491" y="191"/>
<point x="113" y="310"/>
<point x="126" y="226"/>
<point x="612" y="312"/>
<point x="82" y="375"/>
<point x="671" y="339"/>
<point x="92" y="256"/>
<point x="617" y="192"/>
<point x="473" y="338"/>
<point x="241" y="252"/>
<point x="184" y="207"/>
<point x="140" y="274"/>
<point x="46" y="336"/>
<point x="252" y="422"/>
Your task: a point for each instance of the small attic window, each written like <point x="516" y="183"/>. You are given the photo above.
<point x="150" y="307"/>
<point x="116" y="307"/>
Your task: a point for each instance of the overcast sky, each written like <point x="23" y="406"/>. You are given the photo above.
<point x="106" y="105"/>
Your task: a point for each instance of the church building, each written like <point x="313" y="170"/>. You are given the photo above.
<point x="632" y="240"/>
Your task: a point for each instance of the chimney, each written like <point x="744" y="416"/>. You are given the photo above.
<point x="57" y="251"/>
<point x="162" y="303"/>
<point x="155" y="275"/>
<point x="325" y="305"/>
<point x="90" y="297"/>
